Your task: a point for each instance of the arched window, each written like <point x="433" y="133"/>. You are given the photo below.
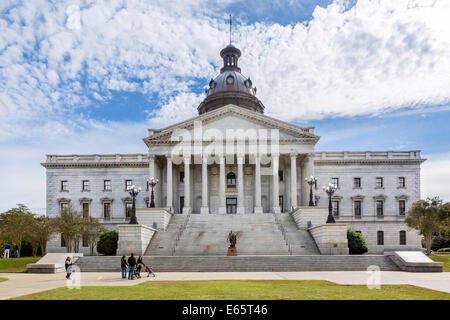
<point x="403" y="237"/>
<point x="228" y="60"/>
<point x="232" y="60"/>
<point x="231" y="179"/>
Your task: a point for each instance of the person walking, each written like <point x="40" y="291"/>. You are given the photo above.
<point x="132" y="265"/>
<point x="139" y="265"/>
<point x="124" y="265"/>
<point x="16" y="251"/>
<point x="68" y="265"/>
<point x="7" y="249"/>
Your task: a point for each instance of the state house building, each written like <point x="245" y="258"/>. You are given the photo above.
<point x="258" y="173"/>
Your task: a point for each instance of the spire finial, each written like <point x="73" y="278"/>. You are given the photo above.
<point x="230" y="29"/>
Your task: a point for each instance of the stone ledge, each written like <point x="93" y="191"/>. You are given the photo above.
<point x="414" y="261"/>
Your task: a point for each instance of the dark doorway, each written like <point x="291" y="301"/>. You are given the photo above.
<point x="231" y="205"/>
<point x="280" y="203"/>
<point x="181" y="204"/>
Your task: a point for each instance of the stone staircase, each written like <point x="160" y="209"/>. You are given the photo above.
<point x="300" y="240"/>
<point x="206" y="235"/>
<point x="244" y="263"/>
<point x="163" y="242"/>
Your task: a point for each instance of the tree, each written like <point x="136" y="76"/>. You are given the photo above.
<point x="107" y="244"/>
<point x="425" y="216"/>
<point x="444" y="213"/>
<point x="356" y="242"/>
<point x="69" y="224"/>
<point x="16" y="224"/>
<point x="42" y="229"/>
<point x="91" y="230"/>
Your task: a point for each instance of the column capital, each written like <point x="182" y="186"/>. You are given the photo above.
<point x="293" y="154"/>
<point x="187" y="160"/>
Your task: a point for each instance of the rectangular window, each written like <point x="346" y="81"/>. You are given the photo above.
<point x="85" y="210"/>
<point x="231" y="205"/>
<point x="380" y="238"/>
<point x="64" y="206"/>
<point x="356" y="182"/>
<point x="401" y="207"/>
<point x="128" y="209"/>
<point x="379" y="182"/>
<point x="107" y="185"/>
<point x="280" y="175"/>
<point x="64" y="185"/>
<point x="380" y="204"/>
<point x="181" y="204"/>
<point x="128" y="184"/>
<point x="85" y="242"/>
<point x="357" y="208"/>
<point x="182" y="176"/>
<point x="106" y="210"/>
<point x="335" y="206"/>
<point x="85" y="185"/>
<point x="63" y="242"/>
<point x="403" y="237"/>
<point x="401" y="182"/>
<point x="335" y="181"/>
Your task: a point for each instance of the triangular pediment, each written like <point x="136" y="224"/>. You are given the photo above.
<point x="232" y="117"/>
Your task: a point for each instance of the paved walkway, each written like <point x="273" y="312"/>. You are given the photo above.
<point x="20" y="284"/>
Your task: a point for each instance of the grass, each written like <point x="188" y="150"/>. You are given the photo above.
<point x="445" y="258"/>
<point x="240" y="290"/>
<point x="15" y="265"/>
<point x="3" y="279"/>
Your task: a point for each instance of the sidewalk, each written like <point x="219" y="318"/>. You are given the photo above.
<point x="20" y="284"/>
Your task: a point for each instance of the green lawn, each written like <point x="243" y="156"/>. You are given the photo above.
<point x="240" y="290"/>
<point x="3" y="279"/>
<point x="16" y="264"/>
<point x="445" y="258"/>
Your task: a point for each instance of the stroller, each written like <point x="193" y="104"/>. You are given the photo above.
<point x="149" y="270"/>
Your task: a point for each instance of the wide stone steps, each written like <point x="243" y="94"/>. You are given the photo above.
<point x="207" y="235"/>
<point x="244" y="263"/>
<point x="163" y="241"/>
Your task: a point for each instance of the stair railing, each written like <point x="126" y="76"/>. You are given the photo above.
<point x="283" y="232"/>
<point x="180" y="232"/>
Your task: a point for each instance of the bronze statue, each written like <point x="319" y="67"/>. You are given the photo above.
<point x="232" y="238"/>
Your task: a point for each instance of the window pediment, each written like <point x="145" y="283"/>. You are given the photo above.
<point x="380" y="197"/>
<point x="84" y="200"/>
<point x="402" y="197"/>
<point x="63" y="200"/>
<point x="106" y="199"/>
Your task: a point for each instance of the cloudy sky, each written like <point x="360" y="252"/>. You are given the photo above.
<point x="92" y="76"/>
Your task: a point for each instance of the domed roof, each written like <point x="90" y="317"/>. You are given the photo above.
<point x="230" y="86"/>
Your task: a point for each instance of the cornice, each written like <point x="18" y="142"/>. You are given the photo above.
<point x="368" y="161"/>
<point x="143" y="164"/>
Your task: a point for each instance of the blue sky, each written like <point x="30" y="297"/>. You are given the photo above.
<point x="91" y="76"/>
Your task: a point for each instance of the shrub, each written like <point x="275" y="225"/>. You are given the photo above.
<point x="439" y="243"/>
<point x="107" y="244"/>
<point x="356" y="242"/>
<point x="444" y="250"/>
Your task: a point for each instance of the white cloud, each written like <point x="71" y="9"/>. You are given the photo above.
<point x="435" y="176"/>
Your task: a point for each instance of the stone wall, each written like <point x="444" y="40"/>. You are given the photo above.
<point x="331" y="239"/>
<point x="134" y="238"/>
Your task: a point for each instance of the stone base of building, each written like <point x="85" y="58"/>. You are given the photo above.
<point x="258" y="210"/>
<point x="134" y="238"/>
<point x="204" y="210"/>
<point x="331" y="238"/>
<point x="157" y="218"/>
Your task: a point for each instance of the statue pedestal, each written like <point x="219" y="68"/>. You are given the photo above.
<point x="232" y="252"/>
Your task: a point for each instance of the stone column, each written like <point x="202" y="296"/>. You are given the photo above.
<point x="204" y="208"/>
<point x="276" y="193"/>
<point x="258" y="207"/>
<point x="187" y="183"/>
<point x="222" y="205"/>
<point x="294" y="180"/>
<point x="308" y="170"/>
<point x="240" y="185"/>
<point x="169" y="203"/>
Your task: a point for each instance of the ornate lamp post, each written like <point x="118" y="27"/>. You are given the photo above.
<point x="133" y="191"/>
<point x="330" y="190"/>
<point x="152" y="183"/>
<point x="312" y="181"/>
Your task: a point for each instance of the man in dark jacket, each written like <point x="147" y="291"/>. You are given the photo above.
<point x="132" y="265"/>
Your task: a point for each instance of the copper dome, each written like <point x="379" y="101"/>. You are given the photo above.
<point x="230" y="86"/>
